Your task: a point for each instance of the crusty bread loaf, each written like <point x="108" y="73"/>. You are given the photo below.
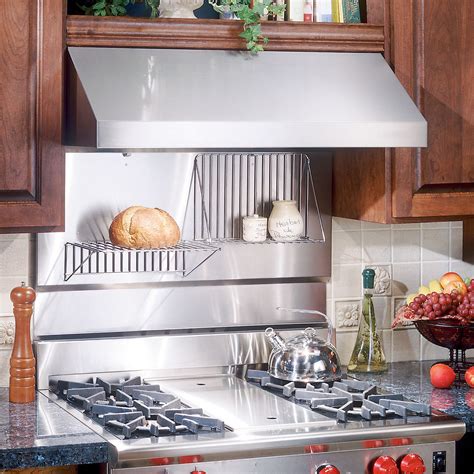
<point x="144" y="228"/>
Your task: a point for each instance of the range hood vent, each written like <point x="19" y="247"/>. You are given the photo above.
<point x="126" y="99"/>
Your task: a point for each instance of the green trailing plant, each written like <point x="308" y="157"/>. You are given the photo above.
<point x="251" y="17"/>
<point x="116" y="7"/>
<point x="242" y="9"/>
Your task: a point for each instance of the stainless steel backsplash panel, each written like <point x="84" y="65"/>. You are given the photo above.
<point x="149" y="356"/>
<point x="240" y="285"/>
<point x="175" y="308"/>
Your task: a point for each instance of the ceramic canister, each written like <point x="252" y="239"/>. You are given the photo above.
<point x="254" y="228"/>
<point x="285" y="222"/>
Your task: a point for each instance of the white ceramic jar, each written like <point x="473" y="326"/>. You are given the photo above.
<point x="179" y="8"/>
<point x="285" y="222"/>
<point x="254" y="228"/>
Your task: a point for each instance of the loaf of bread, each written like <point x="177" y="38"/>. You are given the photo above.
<point x="144" y="228"/>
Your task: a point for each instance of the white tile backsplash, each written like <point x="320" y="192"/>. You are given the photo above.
<point x="435" y="244"/>
<point x="406" y="245"/>
<point x="377" y="246"/>
<point x="347" y="247"/>
<point x="14" y="268"/>
<point x="406" y="278"/>
<point x="414" y="254"/>
<point x="346" y="281"/>
<point x="406" y="345"/>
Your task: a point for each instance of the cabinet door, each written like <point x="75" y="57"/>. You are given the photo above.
<point x="430" y="45"/>
<point x="433" y="56"/>
<point x="31" y="154"/>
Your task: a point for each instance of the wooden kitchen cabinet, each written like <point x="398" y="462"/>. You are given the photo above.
<point x="31" y="93"/>
<point x="431" y="49"/>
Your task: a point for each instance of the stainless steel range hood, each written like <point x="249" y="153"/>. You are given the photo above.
<point x="123" y="98"/>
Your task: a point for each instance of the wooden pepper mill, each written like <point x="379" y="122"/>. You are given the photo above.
<point x="22" y="361"/>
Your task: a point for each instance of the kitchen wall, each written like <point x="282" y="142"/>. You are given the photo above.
<point x="403" y="256"/>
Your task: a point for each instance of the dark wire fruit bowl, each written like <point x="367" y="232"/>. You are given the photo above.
<point x="451" y="334"/>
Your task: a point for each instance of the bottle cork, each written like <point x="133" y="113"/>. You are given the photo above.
<point x="22" y="361"/>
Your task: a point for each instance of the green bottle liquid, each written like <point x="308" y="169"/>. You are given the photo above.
<point x="368" y="354"/>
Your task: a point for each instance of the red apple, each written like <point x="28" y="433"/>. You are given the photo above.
<point x="449" y="277"/>
<point x="459" y="286"/>
<point x="469" y="376"/>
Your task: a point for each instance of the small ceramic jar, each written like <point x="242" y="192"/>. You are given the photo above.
<point x="254" y="228"/>
<point x="285" y="222"/>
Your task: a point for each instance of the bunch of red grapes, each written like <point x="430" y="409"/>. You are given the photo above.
<point x="436" y="305"/>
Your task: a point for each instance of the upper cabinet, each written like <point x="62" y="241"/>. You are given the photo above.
<point x="432" y="53"/>
<point x="31" y="154"/>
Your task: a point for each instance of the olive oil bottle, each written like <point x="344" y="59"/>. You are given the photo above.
<point x="368" y="354"/>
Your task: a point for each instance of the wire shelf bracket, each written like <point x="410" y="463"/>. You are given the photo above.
<point x="101" y="257"/>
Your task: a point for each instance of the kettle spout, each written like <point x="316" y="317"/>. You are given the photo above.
<point x="275" y="339"/>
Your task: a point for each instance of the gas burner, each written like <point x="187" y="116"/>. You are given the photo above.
<point x="134" y="408"/>
<point x="347" y="398"/>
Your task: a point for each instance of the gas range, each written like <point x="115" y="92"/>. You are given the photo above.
<point x="208" y="421"/>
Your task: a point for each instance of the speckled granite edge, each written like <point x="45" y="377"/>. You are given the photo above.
<point x="47" y="456"/>
<point x="42" y="434"/>
<point x="413" y="380"/>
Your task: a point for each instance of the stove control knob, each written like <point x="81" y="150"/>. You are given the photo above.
<point x="385" y="465"/>
<point x="412" y="464"/>
<point x="327" y="469"/>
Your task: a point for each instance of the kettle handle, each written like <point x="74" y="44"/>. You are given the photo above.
<point x="313" y="311"/>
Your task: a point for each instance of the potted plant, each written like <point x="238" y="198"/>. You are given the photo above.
<point x="250" y="12"/>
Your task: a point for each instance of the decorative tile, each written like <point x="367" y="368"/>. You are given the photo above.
<point x="7" y="331"/>
<point x="383" y="280"/>
<point x="347" y="314"/>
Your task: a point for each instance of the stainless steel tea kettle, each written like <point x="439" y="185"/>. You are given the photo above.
<point x="304" y="358"/>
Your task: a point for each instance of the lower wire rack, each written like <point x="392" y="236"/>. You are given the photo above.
<point x="86" y="258"/>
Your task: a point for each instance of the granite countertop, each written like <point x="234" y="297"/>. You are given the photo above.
<point x="43" y="434"/>
<point x="413" y="379"/>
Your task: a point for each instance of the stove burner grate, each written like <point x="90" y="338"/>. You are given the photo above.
<point x="348" y="398"/>
<point x="133" y="408"/>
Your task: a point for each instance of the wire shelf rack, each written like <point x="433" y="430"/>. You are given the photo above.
<point x="104" y="257"/>
<point x="234" y="185"/>
<point x="224" y="188"/>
